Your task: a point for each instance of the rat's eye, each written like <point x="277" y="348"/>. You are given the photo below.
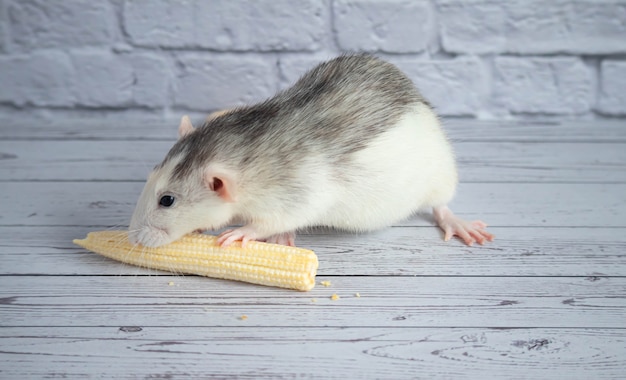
<point x="166" y="201"/>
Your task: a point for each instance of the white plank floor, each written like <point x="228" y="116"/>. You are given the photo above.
<point x="547" y="299"/>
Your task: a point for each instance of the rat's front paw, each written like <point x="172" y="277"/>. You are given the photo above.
<point x="286" y="238"/>
<point x="243" y="234"/>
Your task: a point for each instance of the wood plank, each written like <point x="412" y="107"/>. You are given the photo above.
<point x="541" y="162"/>
<point x="71" y="203"/>
<point x="478" y="162"/>
<point x="457" y="129"/>
<point x="499" y="204"/>
<point x="80" y="160"/>
<point x="597" y="131"/>
<point x="384" y="302"/>
<point x="403" y="251"/>
<point x="350" y="353"/>
<point x="90" y="129"/>
<point x="424" y="310"/>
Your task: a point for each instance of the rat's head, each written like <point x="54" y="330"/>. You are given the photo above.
<point x="179" y="198"/>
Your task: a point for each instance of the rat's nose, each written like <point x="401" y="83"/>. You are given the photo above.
<point x="149" y="236"/>
<point x="133" y="236"/>
<point x="132" y="239"/>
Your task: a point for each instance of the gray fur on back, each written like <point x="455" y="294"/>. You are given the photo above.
<point x="333" y="110"/>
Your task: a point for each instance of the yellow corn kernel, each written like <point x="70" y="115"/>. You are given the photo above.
<point x="335" y="297"/>
<point x="257" y="263"/>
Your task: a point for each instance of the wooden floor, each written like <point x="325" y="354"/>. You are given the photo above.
<point x="547" y="299"/>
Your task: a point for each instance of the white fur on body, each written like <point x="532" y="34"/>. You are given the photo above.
<point x="407" y="168"/>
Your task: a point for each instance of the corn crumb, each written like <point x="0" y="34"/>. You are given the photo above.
<point x="314" y="300"/>
<point x="243" y="317"/>
<point x="171" y="283"/>
<point x="326" y="283"/>
<point x="357" y="295"/>
<point x="334" y="297"/>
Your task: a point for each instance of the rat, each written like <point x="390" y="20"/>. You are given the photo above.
<point x="352" y="145"/>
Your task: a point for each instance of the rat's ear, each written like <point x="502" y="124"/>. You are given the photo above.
<point x="185" y="126"/>
<point x="221" y="182"/>
<point x="215" y="114"/>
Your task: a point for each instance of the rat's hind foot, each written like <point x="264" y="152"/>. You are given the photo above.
<point x="469" y="232"/>
<point x="286" y="238"/>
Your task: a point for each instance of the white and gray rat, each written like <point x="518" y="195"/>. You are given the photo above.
<point x="352" y="145"/>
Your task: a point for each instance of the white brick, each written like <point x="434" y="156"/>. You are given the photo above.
<point x="543" y="85"/>
<point x="236" y="25"/>
<point x="167" y="23"/>
<point x="454" y="87"/>
<point x="47" y="24"/>
<point x="3" y="26"/>
<point x="242" y="25"/>
<point x="103" y="79"/>
<point x="533" y="26"/>
<point x="399" y="26"/>
<point x="208" y="82"/>
<point x="43" y="79"/>
<point x="613" y="88"/>
<point x="472" y="26"/>
<point x="151" y="83"/>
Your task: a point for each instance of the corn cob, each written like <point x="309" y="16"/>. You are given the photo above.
<point x="257" y="263"/>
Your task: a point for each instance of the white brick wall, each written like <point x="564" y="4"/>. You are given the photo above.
<point x="612" y="99"/>
<point x="472" y="58"/>
<point x="397" y="26"/>
<point x="533" y="26"/>
<point x="200" y="79"/>
<point x="543" y="85"/>
<point x="40" y="24"/>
